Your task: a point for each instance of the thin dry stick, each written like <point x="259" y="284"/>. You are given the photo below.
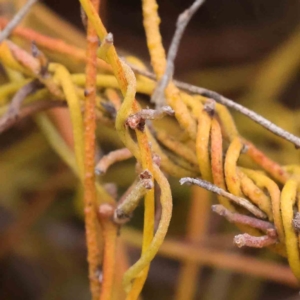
<point x="231" y="104"/>
<point x="242" y="219"/>
<point x="16" y="20"/>
<point x="124" y="210"/>
<point x="15" y="104"/>
<point x="182" y="22"/>
<point x="246" y="239"/>
<point x="29" y="110"/>
<point x="14" y="107"/>
<point x="181" y="251"/>
<point x="213" y="188"/>
<point x="243" y="110"/>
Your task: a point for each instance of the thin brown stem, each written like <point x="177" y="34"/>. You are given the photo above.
<point x="29" y="110"/>
<point x="15" y="104"/>
<point x="242" y="219"/>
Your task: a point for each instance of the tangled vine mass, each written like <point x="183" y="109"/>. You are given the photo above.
<point x="207" y="150"/>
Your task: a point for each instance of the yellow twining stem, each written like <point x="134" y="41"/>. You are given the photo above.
<point x="256" y="195"/>
<point x="149" y="214"/>
<point x="288" y="201"/>
<point x="127" y="82"/>
<point x="216" y="153"/>
<point x="228" y="125"/>
<point x="148" y="255"/>
<point x="56" y="141"/>
<point x="202" y="145"/>
<point x="231" y="174"/>
<point x="265" y="182"/>
<point x="63" y="75"/>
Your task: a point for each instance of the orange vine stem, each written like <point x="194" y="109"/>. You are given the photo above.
<point x="110" y="231"/>
<point x="266" y="163"/>
<point x="90" y="200"/>
<point x="52" y="44"/>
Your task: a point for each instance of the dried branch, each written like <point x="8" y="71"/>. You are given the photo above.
<point x="16" y="20"/>
<point x="182" y="22"/>
<point x="29" y="110"/>
<point x="246" y="239"/>
<point x="13" y="111"/>
<point x="231" y="104"/>
<point x="124" y="209"/>
<point x="243" y="219"/>
<point x="245" y="111"/>
<point x="213" y="188"/>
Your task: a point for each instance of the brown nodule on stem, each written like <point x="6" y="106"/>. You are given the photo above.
<point x="209" y="107"/>
<point x="43" y="60"/>
<point x="105" y="45"/>
<point x="124" y="210"/>
<point x="213" y="188"/>
<point x="145" y="175"/>
<point x="248" y="240"/>
<point x="138" y="120"/>
<point x="245" y="149"/>
<point x="156" y="159"/>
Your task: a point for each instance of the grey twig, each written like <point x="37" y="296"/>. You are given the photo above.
<point x="16" y="20"/>
<point x="213" y="188"/>
<point x="231" y="104"/>
<point x="182" y="22"/>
